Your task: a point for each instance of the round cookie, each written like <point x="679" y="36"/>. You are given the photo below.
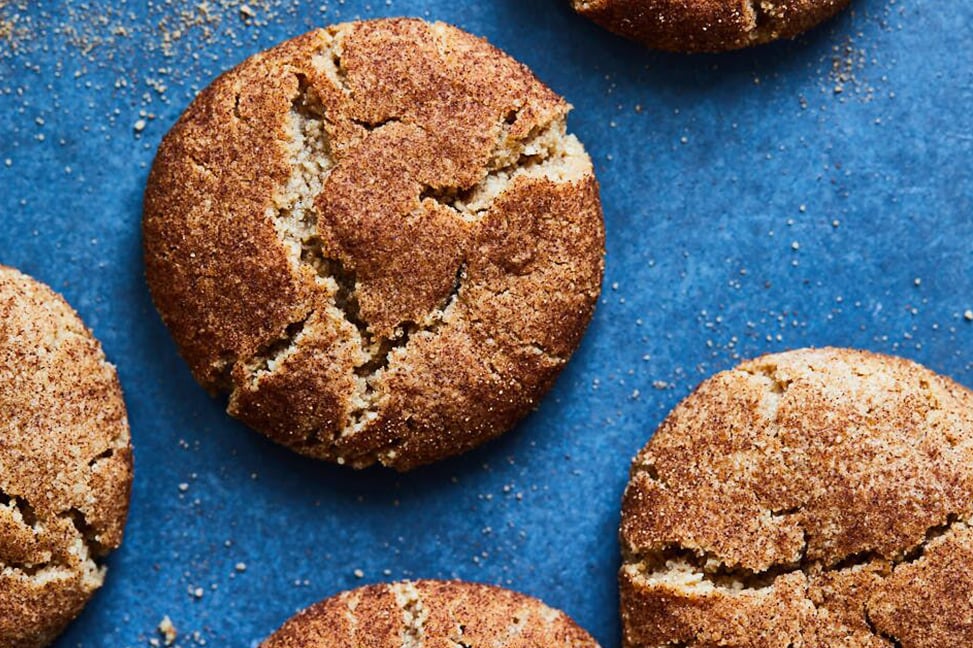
<point x="378" y="238"/>
<point x="65" y="462"/>
<point x="816" y="498"/>
<point x="434" y="614"/>
<point x="707" y="25"/>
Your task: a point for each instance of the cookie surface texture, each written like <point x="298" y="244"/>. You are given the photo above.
<point x="65" y="462"/>
<point x="707" y="25"/>
<point x="815" y="498"/>
<point x="378" y="238"/>
<point x="434" y="614"/>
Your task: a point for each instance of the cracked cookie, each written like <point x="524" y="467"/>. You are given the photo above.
<point x="378" y="239"/>
<point x="439" y="614"/>
<point x="815" y="498"/>
<point x="65" y="462"/>
<point x="707" y="25"/>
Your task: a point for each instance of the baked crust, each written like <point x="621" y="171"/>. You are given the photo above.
<point x="378" y="238"/>
<point x="817" y="498"/>
<point x="65" y="462"/>
<point x="434" y="614"/>
<point x="707" y="25"/>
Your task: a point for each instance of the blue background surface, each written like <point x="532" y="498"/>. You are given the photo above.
<point x="806" y="193"/>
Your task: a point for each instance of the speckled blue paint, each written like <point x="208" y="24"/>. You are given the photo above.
<point x="749" y="207"/>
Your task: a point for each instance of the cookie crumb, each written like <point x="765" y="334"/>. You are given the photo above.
<point x="168" y="631"/>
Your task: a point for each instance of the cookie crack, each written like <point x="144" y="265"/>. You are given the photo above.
<point x="19" y="506"/>
<point x="700" y="570"/>
<point x="953" y="521"/>
<point x="458" y="641"/>
<point x="337" y="72"/>
<point x="36" y="571"/>
<point x="296" y="223"/>
<point x="436" y="319"/>
<point x="199" y="167"/>
<point x="888" y="638"/>
<point x="649" y="469"/>
<point x="769" y="372"/>
<point x="269" y="356"/>
<point x="88" y="549"/>
<point x="370" y="126"/>
<point x="414" y="614"/>
<point x="293" y="214"/>
<point x="547" y="151"/>
<point x="537" y="348"/>
<point x="694" y="568"/>
<point x="103" y="456"/>
<point x="760" y="14"/>
<point x="86" y="532"/>
<point x="236" y="108"/>
<point x="380" y="355"/>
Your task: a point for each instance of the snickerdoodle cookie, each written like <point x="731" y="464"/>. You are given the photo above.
<point x="435" y="614"/>
<point x="65" y="462"/>
<point x="707" y="25"/>
<point x="378" y="238"/>
<point x="816" y="498"/>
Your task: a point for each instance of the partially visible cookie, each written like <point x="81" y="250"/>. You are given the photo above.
<point x="816" y="498"/>
<point x="65" y="462"/>
<point x="430" y="614"/>
<point x="378" y="238"/>
<point x="707" y="25"/>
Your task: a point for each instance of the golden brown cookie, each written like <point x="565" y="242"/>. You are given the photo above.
<point x="707" y="25"/>
<point x="816" y="498"/>
<point x="430" y="614"/>
<point x="378" y="238"/>
<point x="65" y="462"/>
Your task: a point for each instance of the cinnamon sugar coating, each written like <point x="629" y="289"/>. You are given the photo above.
<point x="433" y="614"/>
<point x="707" y="25"/>
<point x="378" y="239"/>
<point x="815" y="498"/>
<point x="65" y="462"/>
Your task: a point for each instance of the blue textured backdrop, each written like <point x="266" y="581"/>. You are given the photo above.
<point x="807" y="193"/>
